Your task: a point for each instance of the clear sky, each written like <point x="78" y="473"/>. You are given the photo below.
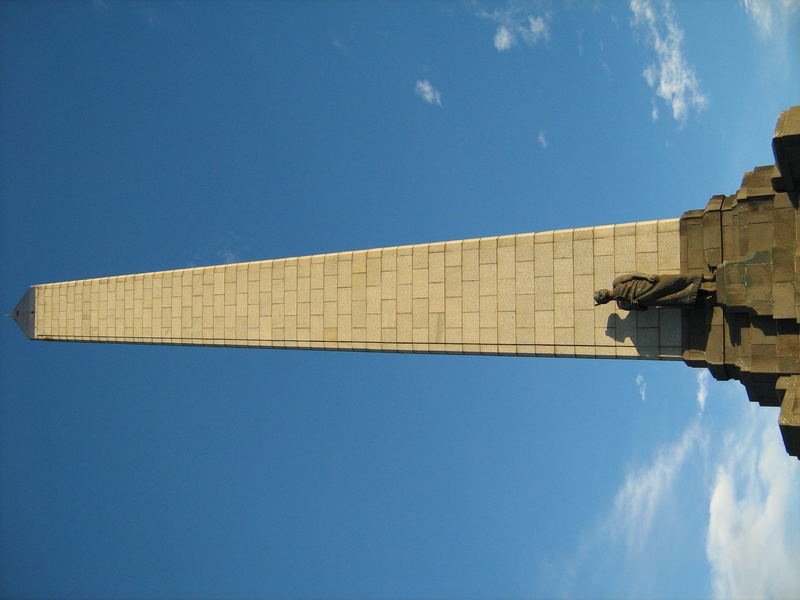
<point x="146" y="136"/>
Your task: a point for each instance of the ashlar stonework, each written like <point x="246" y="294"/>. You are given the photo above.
<point x="718" y="288"/>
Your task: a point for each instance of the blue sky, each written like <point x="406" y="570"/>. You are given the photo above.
<point x="146" y="136"/>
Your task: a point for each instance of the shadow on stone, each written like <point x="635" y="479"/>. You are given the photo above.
<point x="632" y="331"/>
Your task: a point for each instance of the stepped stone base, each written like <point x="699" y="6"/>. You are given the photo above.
<point x="749" y="240"/>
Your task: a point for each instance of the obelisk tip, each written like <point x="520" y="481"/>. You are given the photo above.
<point x="23" y="313"/>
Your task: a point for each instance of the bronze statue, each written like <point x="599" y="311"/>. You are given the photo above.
<point x="636" y="291"/>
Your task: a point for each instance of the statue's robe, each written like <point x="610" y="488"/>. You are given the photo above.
<point x="635" y="291"/>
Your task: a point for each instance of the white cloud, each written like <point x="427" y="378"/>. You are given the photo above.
<point x="702" y="388"/>
<point x="649" y="75"/>
<point x="671" y="77"/>
<point x="750" y="487"/>
<point x="769" y="14"/>
<point x="512" y="24"/>
<point x="503" y="39"/>
<point x="538" y="28"/>
<point x="642" y="385"/>
<point x="427" y="92"/>
<point x="615" y="557"/>
<point x="542" y="139"/>
<point x="646" y="490"/>
<point x="761" y="13"/>
<point x="753" y="540"/>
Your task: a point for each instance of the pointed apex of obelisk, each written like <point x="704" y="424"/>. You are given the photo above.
<point x="23" y="312"/>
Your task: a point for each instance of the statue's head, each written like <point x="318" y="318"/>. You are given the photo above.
<point x="602" y="297"/>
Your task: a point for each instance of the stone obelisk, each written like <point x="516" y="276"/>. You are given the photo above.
<point x="528" y="294"/>
<point x="525" y="294"/>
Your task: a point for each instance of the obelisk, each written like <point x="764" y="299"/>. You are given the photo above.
<point x="525" y="294"/>
<point x="528" y="294"/>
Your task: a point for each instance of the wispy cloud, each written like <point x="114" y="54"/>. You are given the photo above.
<point x="702" y="388"/>
<point x="642" y="385"/>
<point x="338" y="44"/>
<point x="753" y="543"/>
<point x="613" y="557"/>
<point x="670" y="76"/>
<point x="751" y="490"/>
<point x="542" y="140"/>
<point x="646" y="489"/>
<point x="770" y="14"/>
<point x="515" y="24"/>
<point x="762" y="14"/>
<point x="427" y="92"/>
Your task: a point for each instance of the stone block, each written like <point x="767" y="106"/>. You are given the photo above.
<point x="695" y="253"/>
<point x="470" y="296"/>
<point x="470" y="266"/>
<point x="761" y="236"/>
<point x="505" y="262"/>
<point x="783" y="300"/>
<point x="543" y="293"/>
<point x="506" y="328"/>
<point x="646" y="262"/>
<point x="787" y="345"/>
<point x="760" y="212"/>
<point x="763" y="359"/>
<point x="624" y="253"/>
<point x="583" y="292"/>
<point x="786" y="148"/>
<point x="488" y="251"/>
<point x="603" y="271"/>
<point x="603" y="231"/>
<point x="505" y="294"/>
<point x="669" y="252"/>
<point x="543" y="253"/>
<point x="524" y="247"/>
<point x="647" y="341"/>
<point x="788" y="364"/>
<point x="783" y="264"/>
<point x="758" y="283"/>
<point x="563" y="275"/>
<point x="524" y="277"/>
<point x="603" y="246"/>
<point x="583" y="256"/>
<point x="584" y="328"/>
<point x="646" y="236"/>
<point x="488" y="279"/>
<point x="564" y="310"/>
<point x="715" y="344"/>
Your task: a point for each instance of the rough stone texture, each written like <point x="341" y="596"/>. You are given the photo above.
<point x="526" y="294"/>
<point x="750" y="239"/>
